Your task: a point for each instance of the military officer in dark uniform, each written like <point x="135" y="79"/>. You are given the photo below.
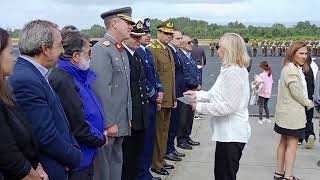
<point x="154" y="91"/>
<point x="165" y="66"/>
<point x="133" y="145"/>
<point x="112" y="86"/>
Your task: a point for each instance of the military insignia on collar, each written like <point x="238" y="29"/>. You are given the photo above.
<point x="119" y="47"/>
<point x="106" y="43"/>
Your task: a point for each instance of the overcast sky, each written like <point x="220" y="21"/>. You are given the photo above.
<point x="85" y="13"/>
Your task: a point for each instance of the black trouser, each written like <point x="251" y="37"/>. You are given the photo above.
<point x="227" y="157"/>
<point x="83" y="174"/>
<point x="309" y="125"/>
<point x="186" y="122"/>
<point x="132" y="148"/>
<point x="263" y="104"/>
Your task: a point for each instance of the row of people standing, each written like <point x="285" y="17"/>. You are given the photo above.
<point x="153" y="75"/>
<point x="122" y="103"/>
<point x="60" y="124"/>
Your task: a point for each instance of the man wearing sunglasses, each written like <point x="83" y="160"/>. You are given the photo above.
<point x="165" y="66"/>
<point x="192" y="83"/>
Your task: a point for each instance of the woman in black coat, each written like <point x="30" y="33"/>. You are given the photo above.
<point x="19" y="153"/>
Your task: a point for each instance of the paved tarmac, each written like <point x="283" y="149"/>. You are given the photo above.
<point x="258" y="160"/>
<point x="259" y="156"/>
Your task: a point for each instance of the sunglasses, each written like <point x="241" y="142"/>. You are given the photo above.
<point x="189" y="42"/>
<point x="166" y="33"/>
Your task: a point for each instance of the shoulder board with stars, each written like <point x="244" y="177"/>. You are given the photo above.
<point x="152" y="45"/>
<point x="106" y="43"/>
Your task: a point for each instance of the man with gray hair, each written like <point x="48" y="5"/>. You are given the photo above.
<point x="112" y="86"/>
<point x="40" y="46"/>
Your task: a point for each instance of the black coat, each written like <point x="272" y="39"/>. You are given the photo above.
<point x="138" y="93"/>
<point x="19" y="151"/>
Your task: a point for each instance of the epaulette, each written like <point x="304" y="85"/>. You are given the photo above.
<point x="106" y="43"/>
<point x="151" y="45"/>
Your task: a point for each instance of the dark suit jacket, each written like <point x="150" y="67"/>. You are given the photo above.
<point x="139" y="95"/>
<point x="192" y="79"/>
<point x="198" y="55"/>
<point x="19" y="151"/>
<point x="43" y="110"/>
<point x="179" y="73"/>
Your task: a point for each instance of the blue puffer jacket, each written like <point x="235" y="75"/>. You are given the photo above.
<point x="81" y="105"/>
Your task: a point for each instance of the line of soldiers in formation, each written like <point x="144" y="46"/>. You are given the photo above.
<point x="274" y="48"/>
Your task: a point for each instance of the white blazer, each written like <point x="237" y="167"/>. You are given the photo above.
<point x="227" y="105"/>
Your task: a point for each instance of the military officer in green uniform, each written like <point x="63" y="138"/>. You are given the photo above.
<point x="273" y="48"/>
<point x="318" y="48"/>
<point x="212" y="48"/>
<point x="112" y="86"/>
<point x="165" y="66"/>
<point x="309" y="47"/>
<point x="264" y="48"/>
<point x="254" y="48"/>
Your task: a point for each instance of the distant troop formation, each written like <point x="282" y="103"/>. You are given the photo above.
<point x="275" y="48"/>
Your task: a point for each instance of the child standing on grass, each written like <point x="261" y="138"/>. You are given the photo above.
<point x="265" y="93"/>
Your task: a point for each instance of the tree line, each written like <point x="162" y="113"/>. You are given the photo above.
<point x="200" y="29"/>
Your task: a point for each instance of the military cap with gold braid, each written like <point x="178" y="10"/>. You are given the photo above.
<point x="123" y="13"/>
<point x="146" y="25"/>
<point x="166" y="26"/>
<point x="137" y="29"/>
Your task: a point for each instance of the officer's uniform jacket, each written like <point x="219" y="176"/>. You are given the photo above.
<point x="153" y="80"/>
<point x="138" y="92"/>
<point x="112" y="86"/>
<point x="165" y="66"/>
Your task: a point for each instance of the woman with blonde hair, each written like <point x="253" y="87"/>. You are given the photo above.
<point x="292" y="97"/>
<point x="226" y="103"/>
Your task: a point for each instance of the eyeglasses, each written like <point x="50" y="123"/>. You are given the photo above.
<point x="189" y="42"/>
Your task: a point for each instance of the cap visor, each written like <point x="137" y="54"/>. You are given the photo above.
<point x="138" y="34"/>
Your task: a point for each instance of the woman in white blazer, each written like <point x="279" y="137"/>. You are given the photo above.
<point x="226" y="103"/>
<point x="290" y="117"/>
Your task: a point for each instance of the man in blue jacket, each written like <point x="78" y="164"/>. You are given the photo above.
<point x="172" y="154"/>
<point x="40" y="46"/>
<point x="154" y="91"/>
<point x="72" y="81"/>
<point x="192" y="82"/>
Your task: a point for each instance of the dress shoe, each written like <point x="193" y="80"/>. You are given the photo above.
<point x="156" y="178"/>
<point x="192" y="143"/>
<point x="172" y="157"/>
<point x="179" y="154"/>
<point x="161" y="171"/>
<point x="168" y="166"/>
<point x="184" y="146"/>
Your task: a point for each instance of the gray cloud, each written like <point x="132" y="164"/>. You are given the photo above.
<point x="128" y="2"/>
